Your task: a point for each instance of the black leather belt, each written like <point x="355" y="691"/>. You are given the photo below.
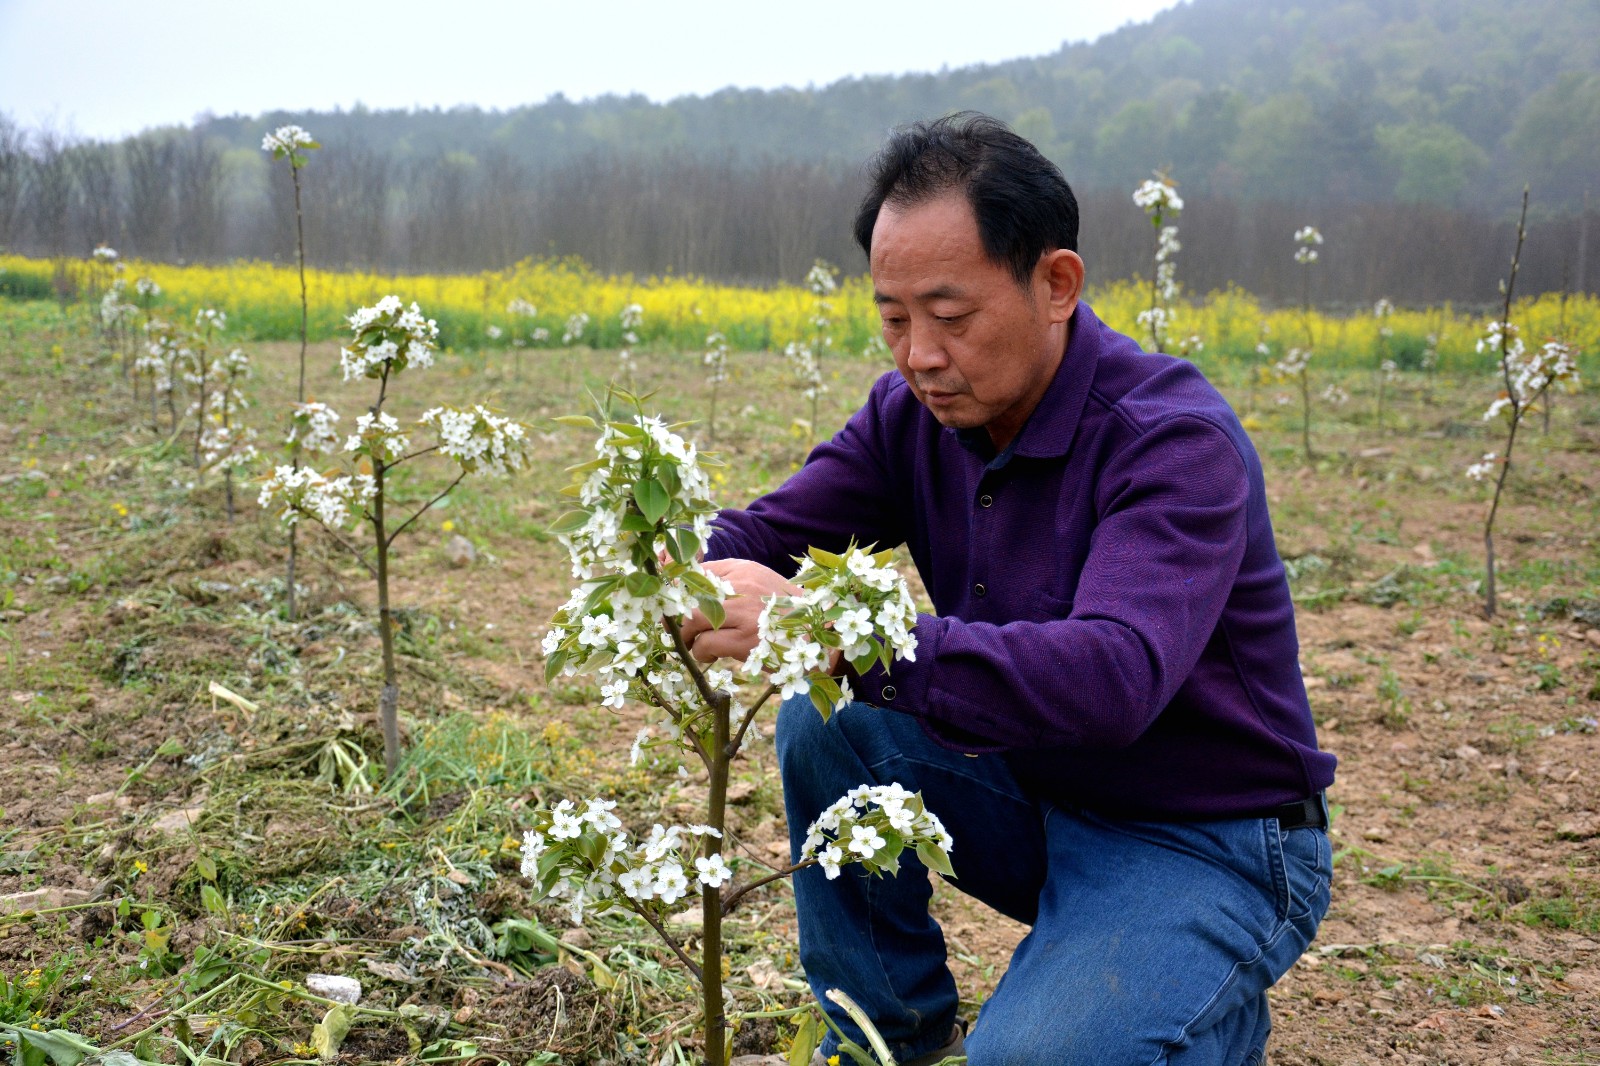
<point x="1309" y="813"/>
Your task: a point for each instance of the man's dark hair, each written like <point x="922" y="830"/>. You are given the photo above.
<point x="1023" y="205"/>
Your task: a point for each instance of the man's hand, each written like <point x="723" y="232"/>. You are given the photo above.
<point x="752" y="585"/>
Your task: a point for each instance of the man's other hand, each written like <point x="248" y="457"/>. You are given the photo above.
<point x="752" y="585"/>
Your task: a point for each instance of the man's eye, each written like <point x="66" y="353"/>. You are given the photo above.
<point x="948" y="319"/>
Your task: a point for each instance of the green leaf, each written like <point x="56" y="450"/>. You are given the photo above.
<point x="825" y="558"/>
<point x="553" y="665"/>
<point x="64" y="1048"/>
<point x="569" y="522"/>
<point x="689" y="544"/>
<point x="212" y="900"/>
<point x="806" y="1039"/>
<point x="327" y="1036"/>
<point x="636" y="523"/>
<point x="934" y="858"/>
<point x="863" y="662"/>
<point x="820" y="702"/>
<point x="652" y="498"/>
<point x="640" y="584"/>
<point x="207" y="867"/>
<point x="578" y="421"/>
<point x="712" y="608"/>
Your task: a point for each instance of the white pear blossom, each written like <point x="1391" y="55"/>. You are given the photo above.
<point x="307" y="493"/>
<point x="313" y="426"/>
<point x="1308" y="238"/>
<point x="873" y="824"/>
<point x="379" y="436"/>
<point x="712" y="870"/>
<point x="576" y="324"/>
<point x="479" y="439"/>
<point x="716" y="359"/>
<point x="1294" y="362"/>
<point x="1482" y="468"/>
<point x="388" y="339"/>
<point x="287" y="141"/>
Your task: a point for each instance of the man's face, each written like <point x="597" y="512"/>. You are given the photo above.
<point x="976" y="348"/>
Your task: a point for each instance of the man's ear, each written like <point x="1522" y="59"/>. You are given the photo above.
<point x="1060" y="276"/>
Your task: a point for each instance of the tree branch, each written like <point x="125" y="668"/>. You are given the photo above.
<point x="346" y="545"/>
<point x="744" y="723"/>
<point x="424" y="507"/>
<point x="730" y="899"/>
<point x="672" y="943"/>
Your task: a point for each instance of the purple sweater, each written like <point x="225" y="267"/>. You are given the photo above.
<point x="1112" y="611"/>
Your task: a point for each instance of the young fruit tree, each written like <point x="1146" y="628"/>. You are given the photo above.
<point x="635" y="540"/>
<point x="1526" y="378"/>
<point x="388" y="339"/>
<point x="291" y="143"/>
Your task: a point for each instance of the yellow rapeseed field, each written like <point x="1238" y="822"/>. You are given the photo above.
<point x="263" y="301"/>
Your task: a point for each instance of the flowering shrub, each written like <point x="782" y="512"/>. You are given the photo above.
<point x="634" y="541"/>
<point x="716" y="364"/>
<point x="387" y="339"/>
<point x="291" y="143"/>
<point x="631" y="320"/>
<point x="1158" y="198"/>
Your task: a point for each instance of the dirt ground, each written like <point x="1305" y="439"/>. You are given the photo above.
<point x="1465" y="924"/>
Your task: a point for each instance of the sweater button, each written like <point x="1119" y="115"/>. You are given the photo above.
<point x="986" y="500"/>
<point x="888" y="692"/>
<point x="979" y="591"/>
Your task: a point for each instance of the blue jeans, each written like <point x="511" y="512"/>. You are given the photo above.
<point x="1150" y="942"/>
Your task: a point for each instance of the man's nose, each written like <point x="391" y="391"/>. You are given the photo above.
<point x="926" y="349"/>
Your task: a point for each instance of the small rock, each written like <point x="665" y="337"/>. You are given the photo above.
<point x="176" y="821"/>
<point x="765" y="975"/>
<point x="1377" y="834"/>
<point x="57" y="583"/>
<point x="1577" y="830"/>
<point x="42" y="899"/>
<point x="338" y="989"/>
<point x="1513" y="768"/>
<point x="1593" y="637"/>
<point x="579" y="937"/>
<point x="1467" y="751"/>
<point x="460" y="552"/>
<point x="391" y="971"/>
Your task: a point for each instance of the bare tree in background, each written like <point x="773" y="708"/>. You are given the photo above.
<point x="96" y="205"/>
<point x="50" y="182"/>
<point x="13" y="180"/>
<point x="197" y="182"/>
<point x="150" y="162"/>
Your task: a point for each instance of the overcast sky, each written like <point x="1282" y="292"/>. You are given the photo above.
<point x="105" y="69"/>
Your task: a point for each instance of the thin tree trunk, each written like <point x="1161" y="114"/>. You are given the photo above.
<point x="300" y="247"/>
<point x="388" y="701"/>
<point x="710" y="898"/>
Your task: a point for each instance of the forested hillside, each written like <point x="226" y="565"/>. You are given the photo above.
<point x="1413" y="119"/>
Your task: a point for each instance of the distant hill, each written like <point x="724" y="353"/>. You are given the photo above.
<point x="1444" y="102"/>
<point x="1404" y="129"/>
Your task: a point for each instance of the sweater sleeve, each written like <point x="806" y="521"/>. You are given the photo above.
<point x="843" y="493"/>
<point x="1166" y="549"/>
